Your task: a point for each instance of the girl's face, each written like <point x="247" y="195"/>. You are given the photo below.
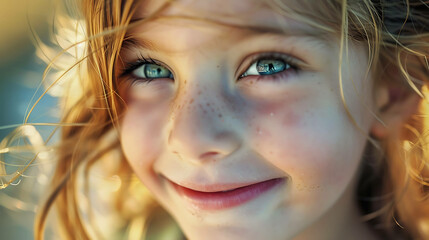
<point x="235" y="121"/>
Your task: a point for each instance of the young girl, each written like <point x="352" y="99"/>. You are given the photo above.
<point x="273" y="119"/>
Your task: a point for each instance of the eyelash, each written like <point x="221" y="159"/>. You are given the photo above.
<point x="287" y="59"/>
<point x="131" y="66"/>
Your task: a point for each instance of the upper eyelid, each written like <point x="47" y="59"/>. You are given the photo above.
<point x="246" y="63"/>
<point x="132" y="44"/>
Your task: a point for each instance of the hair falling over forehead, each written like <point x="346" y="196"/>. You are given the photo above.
<point x="393" y="195"/>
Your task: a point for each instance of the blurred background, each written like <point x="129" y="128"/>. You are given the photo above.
<point x="20" y="75"/>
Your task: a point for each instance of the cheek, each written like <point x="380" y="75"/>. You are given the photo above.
<point x="314" y="144"/>
<point x="140" y="135"/>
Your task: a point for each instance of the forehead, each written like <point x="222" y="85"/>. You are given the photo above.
<point x="264" y="15"/>
<point x="223" y="7"/>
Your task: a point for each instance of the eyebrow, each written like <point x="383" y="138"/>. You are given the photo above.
<point x="132" y="41"/>
<point x="254" y="28"/>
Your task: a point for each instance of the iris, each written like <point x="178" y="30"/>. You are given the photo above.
<point x="270" y="66"/>
<point x="151" y="70"/>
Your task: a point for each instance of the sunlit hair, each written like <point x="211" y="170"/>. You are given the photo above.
<point x="394" y="183"/>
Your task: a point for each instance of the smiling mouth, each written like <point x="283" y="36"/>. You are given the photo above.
<point x="228" y="198"/>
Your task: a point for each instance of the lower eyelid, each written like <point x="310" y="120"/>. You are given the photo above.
<point x="273" y="77"/>
<point x="139" y="81"/>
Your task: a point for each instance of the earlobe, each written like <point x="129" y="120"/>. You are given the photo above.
<point x="394" y="106"/>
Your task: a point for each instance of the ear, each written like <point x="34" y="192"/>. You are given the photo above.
<point x="395" y="104"/>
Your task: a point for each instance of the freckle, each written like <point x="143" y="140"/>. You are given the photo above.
<point x="258" y="130"/>
<point x="220" y="115"/>
<point x="199" y="92"/>
<point x="290" y="119"/>
<point x="192" y="100"/>
<point x="218" y="66"/>
<point x="184" y="82"/>
<point x="208" y="104"/>
<point x="205" y="111"/>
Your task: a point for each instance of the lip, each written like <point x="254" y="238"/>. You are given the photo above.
<point x="227" y="197"/>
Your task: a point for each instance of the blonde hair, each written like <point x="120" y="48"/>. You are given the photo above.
<point x="392" y="194"/>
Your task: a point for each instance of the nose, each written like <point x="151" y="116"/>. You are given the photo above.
<point x="202" y="125"/>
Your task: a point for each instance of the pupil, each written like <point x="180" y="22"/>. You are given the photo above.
<point x="270" y="66"/>
<point x="155" y="71"/>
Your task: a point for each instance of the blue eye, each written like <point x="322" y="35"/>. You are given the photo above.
<point x="152" y="70"/>
<point x="266" y="67"/>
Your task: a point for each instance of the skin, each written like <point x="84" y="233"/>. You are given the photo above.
<point x="209" y="126"/>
